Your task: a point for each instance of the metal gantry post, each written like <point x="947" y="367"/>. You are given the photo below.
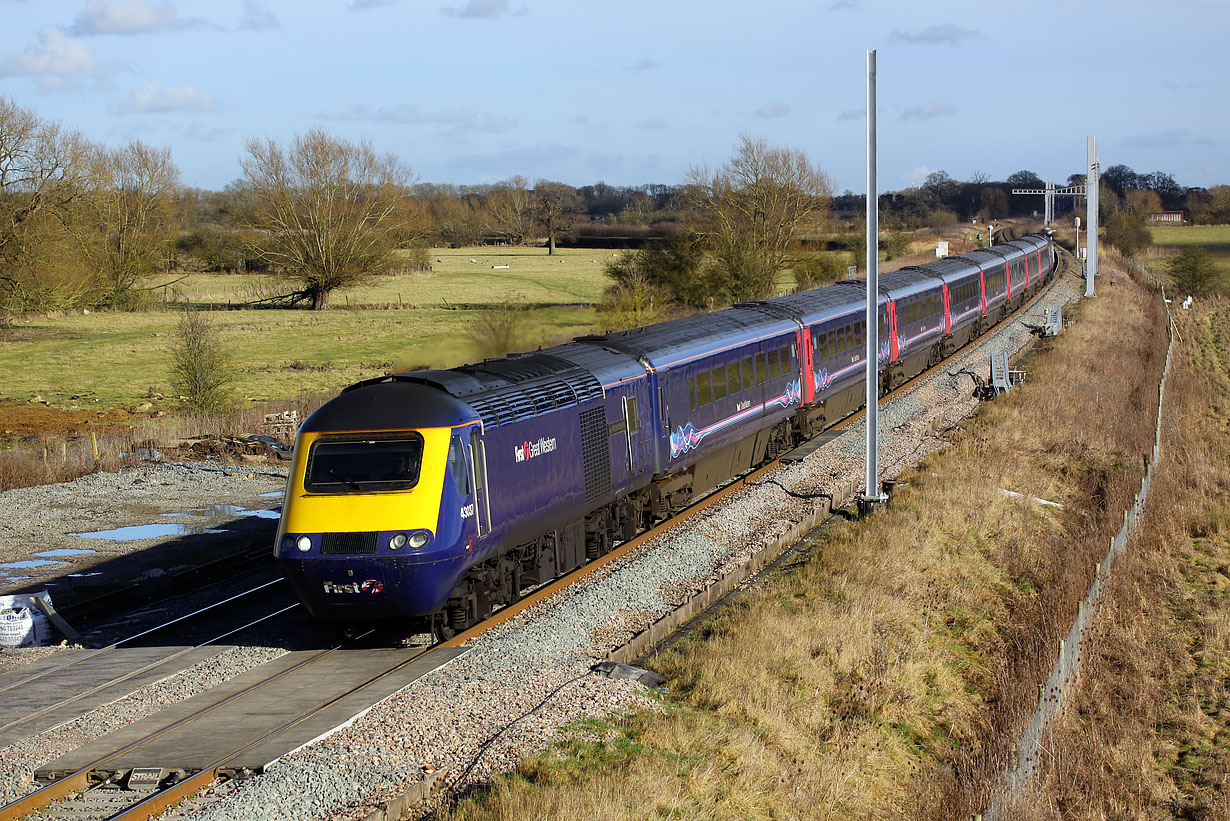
<point x="871" y="497"/>
<point x="1092" y="182"/>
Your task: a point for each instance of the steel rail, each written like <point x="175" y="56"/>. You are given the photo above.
<point x="80" y="780"/>
<point x="132" y="673"/>
<point x="175" y="793"/>
<point x="551" y="588"/>
<point x="142" y="634"/>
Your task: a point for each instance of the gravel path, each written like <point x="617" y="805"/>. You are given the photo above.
<point x="524" y="680"/>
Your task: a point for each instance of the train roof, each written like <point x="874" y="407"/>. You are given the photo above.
<point x="680" y="340"/>
<point x="818" y="304"/>
<point x="383" y="404"/>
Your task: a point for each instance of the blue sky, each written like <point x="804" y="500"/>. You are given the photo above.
<point x="637" y="91"/>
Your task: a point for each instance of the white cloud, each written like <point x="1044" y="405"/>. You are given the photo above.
<point x="256" y="17"/>
<point x="928" y="111"/>
<point x="646" y="65"/>
<point x="1173" y="138"/>
<point x="365" y="5"/>
<point x="57" y="60"/>
<point x="654" y="124"/>
<point x="947" y="34"/>
<point x="453" y="120"/>
<point x="852" y="114"/>
<point x="154" y="98"/>
<point x="126" y="17"/>
<point x="919" y="174"/>
<point x="478" y="8"/>
<point x="772" y="111"/>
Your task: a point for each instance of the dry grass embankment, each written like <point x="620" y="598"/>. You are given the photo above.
<point x="1147" y="731"/>
<point x="886" y="673"/>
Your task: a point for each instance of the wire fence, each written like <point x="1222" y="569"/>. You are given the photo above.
<point x="1029" y="749"/>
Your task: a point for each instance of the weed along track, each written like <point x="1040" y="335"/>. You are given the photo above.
<point x="928" y="610"/>
<point x="523" y="680"/>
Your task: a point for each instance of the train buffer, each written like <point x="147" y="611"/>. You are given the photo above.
<point x="1054" y="320"/>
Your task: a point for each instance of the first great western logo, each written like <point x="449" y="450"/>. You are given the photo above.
<point x="528" y="450"/>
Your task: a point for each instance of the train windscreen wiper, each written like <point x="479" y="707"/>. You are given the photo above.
<point x="350" y="483"/>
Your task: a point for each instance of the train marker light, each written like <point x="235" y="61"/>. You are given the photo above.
<point x="397" y="542"/>
<point x="304" y="544"/>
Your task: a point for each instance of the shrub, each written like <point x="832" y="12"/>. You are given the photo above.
<point x="500" y="330"/>
<point x="201" y="372"/>
<point x="1192" y="270"/>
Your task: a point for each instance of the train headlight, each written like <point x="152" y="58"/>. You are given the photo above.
<point x="418" y="538"/>
<point x="288" y="543"/>
<point x="304" y="543"/>
<point x="397" y="542"/>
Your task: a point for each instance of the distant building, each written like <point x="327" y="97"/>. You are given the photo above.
<point x="1167" y="218"/>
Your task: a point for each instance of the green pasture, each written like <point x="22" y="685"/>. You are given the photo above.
<point x="457" y="276"/>
<point x="118" y="358"/>
<point x="1214" y="238"/>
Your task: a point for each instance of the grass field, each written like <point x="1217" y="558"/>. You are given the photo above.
<point x="1214" y="238"/>
<point x="457" y="275"/>
<point x="118" y="358"/>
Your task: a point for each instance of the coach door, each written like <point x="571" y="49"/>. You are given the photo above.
<point x="477" y="456"/>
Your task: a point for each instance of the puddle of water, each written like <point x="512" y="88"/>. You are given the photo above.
<point x="28" y="564"/>
<point x="261" y="514"/>
<point x="134" y="532"/>
<point x="163" y="530"/>
<point x="15" y="578"/>
<point x="277" y="494"/>
<point x="64" y="551"/>
<point x="82" y="575"/>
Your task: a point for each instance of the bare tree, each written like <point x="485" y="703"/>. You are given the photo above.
<point x="129" y="226"/>
<point x="41" y="172"/>
<point x="557" y="206"/>
<point x="330" y="212"/>
<point x="751" y="209"/>
<point x="510" y="211"/>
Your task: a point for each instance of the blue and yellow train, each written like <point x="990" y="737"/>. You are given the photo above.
<point x="433" y="496"/>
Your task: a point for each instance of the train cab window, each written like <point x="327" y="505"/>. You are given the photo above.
<point x="775" y="369"/>
<point x="719" y="383"/>
<point x="732" y="378"/>
<point x="703" y="396"/>
<point x="457" y="466"/>
<point x="749" y="378"/>
<point x="362" y="465"/>
<point x="762" y="368"/>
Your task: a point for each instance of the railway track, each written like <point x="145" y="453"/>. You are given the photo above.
<point x="104" y="776"/>
<point x="628" y="547"/>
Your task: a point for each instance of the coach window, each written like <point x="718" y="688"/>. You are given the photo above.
<point x="831" y="344"/>
<point x="732" y="378"/>
<point x="762" y="368"/>
<point x="822" y="348"/>
<point x="787" y="360"/>
<point x="749" y="378"/>
<point x="634" y="421"/>
<point x="703" y="396"/>
<point x="719" y="383"/>
<point x="774" y="368"/>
